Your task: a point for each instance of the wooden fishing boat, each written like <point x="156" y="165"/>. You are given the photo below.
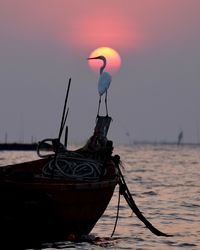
<point x="62" y="195"/>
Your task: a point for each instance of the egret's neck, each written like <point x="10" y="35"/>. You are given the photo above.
<point x="103" y="67"/>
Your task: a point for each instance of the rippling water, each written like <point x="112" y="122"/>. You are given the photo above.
<point x="165" y="183"/>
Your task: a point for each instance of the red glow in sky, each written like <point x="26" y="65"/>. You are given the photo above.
<point x="97" y="31"/>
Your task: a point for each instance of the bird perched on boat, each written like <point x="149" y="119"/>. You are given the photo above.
<point x="103" y="83"/>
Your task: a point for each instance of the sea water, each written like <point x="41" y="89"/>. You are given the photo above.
<point x="164" y="181"/>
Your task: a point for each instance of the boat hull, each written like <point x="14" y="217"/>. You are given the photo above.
<point x="36" y="210"/>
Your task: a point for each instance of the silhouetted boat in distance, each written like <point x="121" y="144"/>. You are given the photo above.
<point x="180" y="137"/>
<point x="19" y="146"/>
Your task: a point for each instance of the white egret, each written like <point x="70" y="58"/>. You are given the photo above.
<point x="103" y="83"/>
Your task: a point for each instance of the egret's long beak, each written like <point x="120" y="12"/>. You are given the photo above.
<point x="92" y="58"/>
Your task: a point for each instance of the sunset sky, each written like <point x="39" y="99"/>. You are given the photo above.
<point x="154" y="95"/>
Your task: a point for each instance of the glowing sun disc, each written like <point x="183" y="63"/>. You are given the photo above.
<point x="112" y="57"/>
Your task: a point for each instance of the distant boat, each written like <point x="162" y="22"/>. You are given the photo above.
<point x="180" y="138"/>
<point x="18" y="146"/>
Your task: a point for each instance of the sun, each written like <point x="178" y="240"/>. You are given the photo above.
<point x="112" y="56"/>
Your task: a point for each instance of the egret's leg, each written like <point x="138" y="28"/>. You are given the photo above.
<point x="106" y="103"/>
<point x="99" y="105"/>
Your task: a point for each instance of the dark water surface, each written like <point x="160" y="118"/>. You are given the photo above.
<point x="165" y="183"/>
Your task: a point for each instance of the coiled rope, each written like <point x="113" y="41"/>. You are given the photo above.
<point x="73" y="166"/>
